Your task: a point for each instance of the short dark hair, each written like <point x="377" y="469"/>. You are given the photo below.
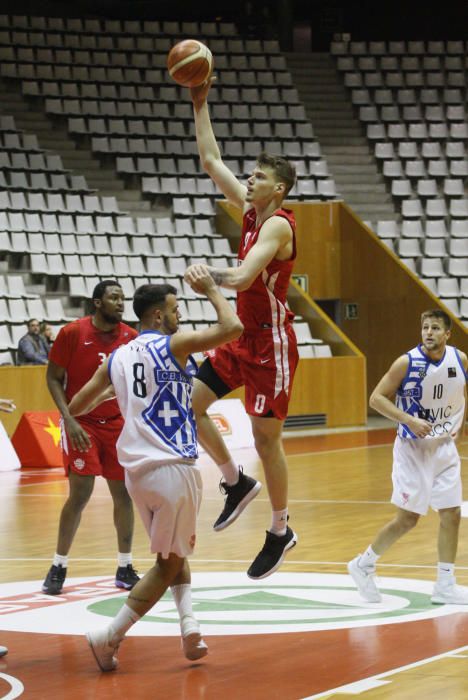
<point x="149" y="295"/>
<point x="31" y="320"/>
<point x="100" y="289"/>
<point x="284" y="171"/>
<point x="440" y="314"/>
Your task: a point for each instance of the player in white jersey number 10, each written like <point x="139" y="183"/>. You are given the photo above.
<point x="429" y="383"/>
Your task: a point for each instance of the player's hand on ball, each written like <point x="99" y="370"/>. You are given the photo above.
<point x="200" y="93"/>
<point x="199" y="278"/>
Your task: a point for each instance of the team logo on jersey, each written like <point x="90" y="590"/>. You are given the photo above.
<point x="452" y="372"/>
<point x="79" y="463"/>
<point x="422" y="373"/>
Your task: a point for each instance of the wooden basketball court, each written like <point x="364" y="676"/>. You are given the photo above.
<point x="339" y="490"/>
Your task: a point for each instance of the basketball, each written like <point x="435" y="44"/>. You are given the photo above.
<point x="190" y="63"/>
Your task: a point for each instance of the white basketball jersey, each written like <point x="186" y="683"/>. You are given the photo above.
<point x="154" y="394"/>
<point x="433" y="391"/>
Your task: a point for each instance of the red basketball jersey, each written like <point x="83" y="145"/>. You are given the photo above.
<point x="263" y="304"/>
<point x="80" y="348"/>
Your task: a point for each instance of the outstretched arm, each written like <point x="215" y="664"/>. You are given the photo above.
<point x="208" y="149"/>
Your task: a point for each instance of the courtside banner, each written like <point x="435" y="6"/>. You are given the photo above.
<point x="232" y="422"/>
<point x="37" y="439"/>
<point x="8" y="458"/>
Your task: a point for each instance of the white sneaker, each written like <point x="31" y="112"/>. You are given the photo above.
<point x="449" y="593"/>
<point x="3" y="651"/>
<point x="364" y="580"/>
<point x="104" y="653"/>
<point x="192" y="643"/>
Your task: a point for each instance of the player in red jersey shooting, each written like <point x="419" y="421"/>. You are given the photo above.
<point x="265" y="357"/>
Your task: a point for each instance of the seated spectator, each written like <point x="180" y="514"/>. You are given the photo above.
<point x="47" y="332"/>
<point x="32" y="348"/>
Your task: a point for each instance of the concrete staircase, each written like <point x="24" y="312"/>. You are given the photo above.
<point x="53" y="136"/>
<point x="344" y="146"/>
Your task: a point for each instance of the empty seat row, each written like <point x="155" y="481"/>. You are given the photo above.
<point x="434" y="208"/>
<point x="412" y="113"/>
<point x="109" y="266"/>
<point x="418" y="131"/>
<point x="112" y="28"/>
<point x="398" y="48"/>
<point x="12" y="286"/>
<point x="419" y="169"/>
<point x="416" y="228"/>
<point x="56" y="202"/>
<point x="432" y="247"/>
<point x="388" y="63"/>
<point x="425" y="188"/>
<point x="87" y="244"/>
<point x="29" y="180"/>
<point x="83" y="286"/>
<point x="386" y="82"/>
<point x="21" y="310"/>
<point x="413" y="150"/>
<point x="103" y="224"/>
<point x="152" y="56"/>
<point x="44" y="162"/>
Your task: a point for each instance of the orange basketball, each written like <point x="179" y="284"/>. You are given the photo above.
<point x="190" y="63"/>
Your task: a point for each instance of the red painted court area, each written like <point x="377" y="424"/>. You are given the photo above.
<point x="254" y="667"/>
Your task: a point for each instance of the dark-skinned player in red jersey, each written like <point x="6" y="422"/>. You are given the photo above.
<point x="265" y="357"/>
<point x="88" y="442"/>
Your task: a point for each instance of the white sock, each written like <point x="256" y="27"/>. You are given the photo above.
<point x="230" y="472"/>
<point x="60" y="560"/>
<point x="368" y="559"/>
<point x="125" y="618"/>
<point x="182" y="595"/>
<point x="445" y="572"/>
<point x="124" y="558"/>
<point x="279" y="522"/>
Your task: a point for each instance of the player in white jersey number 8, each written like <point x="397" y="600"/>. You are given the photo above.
<point x="152" y="379"/>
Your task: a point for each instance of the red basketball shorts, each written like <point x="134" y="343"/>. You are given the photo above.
<point x="265" y="364"/>
<point x="101" y="458"/>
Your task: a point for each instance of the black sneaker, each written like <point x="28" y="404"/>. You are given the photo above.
<point x="55" y="579"/>
<point x="271" y="556"/>
<point x="238" y="497"/>
<point x="126" y="577"/>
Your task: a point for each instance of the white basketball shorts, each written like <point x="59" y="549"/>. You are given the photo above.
<point x="426" y="473"/>
<point x="168" y="498"/>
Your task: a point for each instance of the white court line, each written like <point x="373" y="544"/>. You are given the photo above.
<point x="216" y="499"/>
<point x="16" y="687"/>
<point x="386" y="674"/>
<point x="349" y="449"/>
<point x="195" y="560"/>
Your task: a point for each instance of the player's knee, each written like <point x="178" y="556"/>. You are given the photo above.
<point x="450" y="516"/>
<point x="408" y="520"/>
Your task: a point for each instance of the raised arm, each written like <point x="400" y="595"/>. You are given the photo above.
<point x="210" y="155"/>
<point x="382" y="399"/>
<point x="228" y="326"/>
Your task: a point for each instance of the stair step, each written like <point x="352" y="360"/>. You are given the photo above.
<point x="349" y="188"/>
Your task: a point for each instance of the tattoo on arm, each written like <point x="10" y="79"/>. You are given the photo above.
<point x="218" y="276"/>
